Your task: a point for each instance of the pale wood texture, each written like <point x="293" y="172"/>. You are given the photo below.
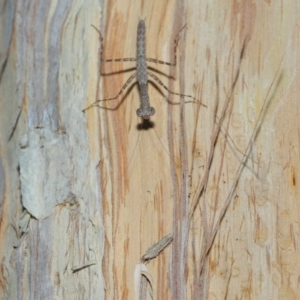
<point x="99" y="190"/>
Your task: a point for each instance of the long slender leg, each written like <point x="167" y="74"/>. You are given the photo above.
<point x="110" y="59"/>
<point x="115" y="97"/>
<point x="157" y="61"/>
<point x="171" y="92"/>
<point x="118" y="59"/>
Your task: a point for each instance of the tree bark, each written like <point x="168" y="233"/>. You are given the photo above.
<point x="86" y="198"/>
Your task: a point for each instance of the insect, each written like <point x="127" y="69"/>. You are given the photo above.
<point x="155" y="249"/>
<point x="145" y="110"/>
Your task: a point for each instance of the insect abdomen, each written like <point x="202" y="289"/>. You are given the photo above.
<point x="141" y="64"/>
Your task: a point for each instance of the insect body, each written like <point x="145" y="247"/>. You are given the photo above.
<point x="145" y="110"/>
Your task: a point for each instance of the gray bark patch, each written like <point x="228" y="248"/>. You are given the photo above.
<point x="45" y="171"/>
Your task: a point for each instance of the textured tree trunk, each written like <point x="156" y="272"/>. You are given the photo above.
<point x="84" y="195"/>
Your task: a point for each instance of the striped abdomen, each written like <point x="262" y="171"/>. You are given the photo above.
<point x="141" y="64"/>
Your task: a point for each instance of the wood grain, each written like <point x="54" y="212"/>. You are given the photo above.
<point x="84" y="195"/>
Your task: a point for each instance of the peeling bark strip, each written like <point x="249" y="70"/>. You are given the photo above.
<point x="145" y="110"/>
<point x="143" y="283"/>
